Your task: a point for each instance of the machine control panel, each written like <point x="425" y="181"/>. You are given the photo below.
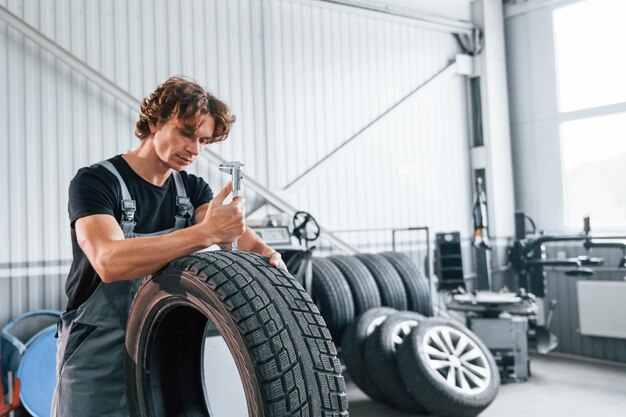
<point x="276" y="235"/>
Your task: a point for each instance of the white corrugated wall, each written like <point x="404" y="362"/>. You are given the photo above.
<point x="302" y="76"/>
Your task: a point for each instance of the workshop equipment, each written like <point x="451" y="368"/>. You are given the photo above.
<point x="480" y="239"/>
<point x="506" y="337"/>
<point x="544" y="338"/>
<point x="233" y="168"/>
<point x="37" y="372"/>
<point x="501" y="320"/>
<point x="14" y="391"/>
<point x="297" y="257"/>
<point x="449" y="261"/>
<point x="528" y="255"/>
<point x="16" y="335"/>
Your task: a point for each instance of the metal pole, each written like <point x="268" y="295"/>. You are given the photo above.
<point x="428" y="21"/>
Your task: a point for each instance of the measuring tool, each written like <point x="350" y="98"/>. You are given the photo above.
<point x="233" y="168"/>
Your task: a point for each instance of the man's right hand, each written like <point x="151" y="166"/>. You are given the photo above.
<point x="225" y="223"/>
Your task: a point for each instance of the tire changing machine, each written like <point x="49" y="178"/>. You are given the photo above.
<point x="500" y="319"/>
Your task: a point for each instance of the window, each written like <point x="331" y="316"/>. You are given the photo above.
<point x="591" y="77"/>
<point x="594" y="166"/>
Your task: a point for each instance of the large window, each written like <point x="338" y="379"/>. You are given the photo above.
<point x="591" y="74"/>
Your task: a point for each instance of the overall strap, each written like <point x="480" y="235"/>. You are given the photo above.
<point x="128" y="204"/>
<point x="184" y="208"/>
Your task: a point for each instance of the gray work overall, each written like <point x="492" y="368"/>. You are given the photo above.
<point x="90" y="346"/>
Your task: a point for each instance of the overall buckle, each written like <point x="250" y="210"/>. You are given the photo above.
<point x="183" y="204"/>
<point x="128" y="207"/>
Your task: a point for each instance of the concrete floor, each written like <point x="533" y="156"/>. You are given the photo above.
<point x="559" y="387"/>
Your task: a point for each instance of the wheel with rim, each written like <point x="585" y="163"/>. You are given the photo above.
<point x="380" y="350"/>
<point x="251" y="323"/>
<point x="333" y="297"/>
<point x="448" y="369"/>
<point x="353" y="347"/>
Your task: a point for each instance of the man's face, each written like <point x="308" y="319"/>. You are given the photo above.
<point x="177" y="147"/>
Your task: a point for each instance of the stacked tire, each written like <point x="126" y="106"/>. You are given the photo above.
<point x="420" y="364"/>
<point x="347" y="286"/>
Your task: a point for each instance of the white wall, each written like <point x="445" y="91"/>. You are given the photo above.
<point x="302" y="77"/>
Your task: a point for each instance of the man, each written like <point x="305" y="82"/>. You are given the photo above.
<point x="130" y="216"/>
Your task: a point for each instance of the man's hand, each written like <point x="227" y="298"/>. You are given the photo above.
<point x="274" y="258"/>
<point x="226" y="223"/>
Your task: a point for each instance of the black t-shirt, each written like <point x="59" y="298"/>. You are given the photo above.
<point x="95" y="190"/>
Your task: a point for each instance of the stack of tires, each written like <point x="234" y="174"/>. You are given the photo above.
<point x="419" y="364"/>
<point x="347" y="286"/>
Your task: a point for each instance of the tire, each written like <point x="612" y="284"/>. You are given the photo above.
<point x="285" y="360"/>
<point x="429" y="386"/>
<point x="353" y="346"/>
<point x="380" y="351"/>
<point x="333" y="297"/>
<point x="362" y="284"/>
<point x="390" y="286"/>
<point x="415" y="284"/>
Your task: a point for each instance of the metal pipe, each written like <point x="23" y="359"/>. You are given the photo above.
<point x="606" y="245"/>
<point x="428" y="21"/>
<point x="536" y="243"/>
<point x="554" y="262"/>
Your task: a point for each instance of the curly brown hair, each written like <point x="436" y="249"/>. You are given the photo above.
<point x="186" y="101"/>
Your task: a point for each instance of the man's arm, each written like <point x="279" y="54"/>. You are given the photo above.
<point x="249" y="241"/>
<point x="115" y="258"/>
<point x="252" y="242"/>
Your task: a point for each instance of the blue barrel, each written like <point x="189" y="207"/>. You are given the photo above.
<point x="37" y="372"/>
<point x="18" y="332"/>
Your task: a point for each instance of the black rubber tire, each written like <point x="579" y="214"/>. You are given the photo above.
<point x="390" y="286"/>
<point x="427" y="385"/>
<point x="380" y="351"/>
<point x="415" y="284"/>
<point x="284" y="354"/>
<point x="333" y="297"/>
<point x="353" y="347"/>
<point x="362" y="284"/>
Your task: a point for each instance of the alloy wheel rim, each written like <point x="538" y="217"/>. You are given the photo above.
<point x="456" y="360"/>
<point x="374" y="324"/>
<point x="401" y="331"/>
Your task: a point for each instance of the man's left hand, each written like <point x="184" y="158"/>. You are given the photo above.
<point x="275" y="259"/>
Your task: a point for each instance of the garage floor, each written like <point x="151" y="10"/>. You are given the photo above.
<point x="559" y="386"/>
